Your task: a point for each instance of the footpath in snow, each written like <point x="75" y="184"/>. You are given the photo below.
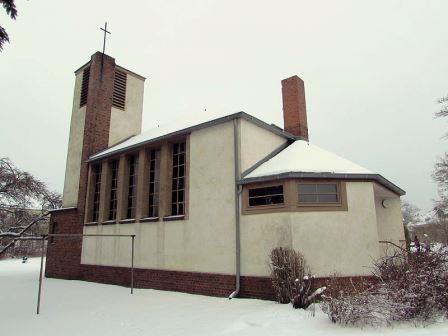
<point x="90" y="309"/>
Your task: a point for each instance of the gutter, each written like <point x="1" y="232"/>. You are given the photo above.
<point x="238" y="188"/>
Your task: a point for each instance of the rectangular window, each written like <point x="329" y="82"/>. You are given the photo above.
<point x="154" y="183"/>
<point x="318" y="193"/>
<point x="178" y="180"/>
<point x="84" y="86"/>
<point x="113" y="190"/>
<point x="119" y="93"/>
<point x="266" y="196"/>
<point x="96" y="192"/>
<point x="132" y="188"/>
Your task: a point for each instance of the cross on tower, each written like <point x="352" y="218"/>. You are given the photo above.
<point x="105" y="32"/>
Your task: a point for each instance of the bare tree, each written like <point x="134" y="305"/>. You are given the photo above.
<point x="411" y="215"/>
<point x="11" y="10"/>
<point x="24" y="202"/>
<point x="440" y="176"/>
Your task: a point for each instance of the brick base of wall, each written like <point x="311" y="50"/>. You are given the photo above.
<point x="212" y="284"/>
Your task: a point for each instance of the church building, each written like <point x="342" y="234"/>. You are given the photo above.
<point x="208" y="198"/>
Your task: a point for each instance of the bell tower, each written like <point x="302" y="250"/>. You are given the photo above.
<point x="107" y="108"/>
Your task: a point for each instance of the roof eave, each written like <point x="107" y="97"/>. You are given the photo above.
<point x="321" y="175"/>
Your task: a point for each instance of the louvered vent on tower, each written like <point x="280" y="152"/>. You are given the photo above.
<point x="84" y="86"/>
<point x="119" y="98"/>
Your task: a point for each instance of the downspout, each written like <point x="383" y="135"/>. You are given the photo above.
<point x="236" y="152"/>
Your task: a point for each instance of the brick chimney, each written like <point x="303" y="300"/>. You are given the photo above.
<point x="294" y="107"/>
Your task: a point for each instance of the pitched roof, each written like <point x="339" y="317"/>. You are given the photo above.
<point x="301" y="156"/>
<point x="184" y="126"/>
<point x="304" y="160"/>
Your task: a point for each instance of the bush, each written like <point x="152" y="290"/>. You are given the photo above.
<point x="291" y="278"/>
<point x="412" y="286"/>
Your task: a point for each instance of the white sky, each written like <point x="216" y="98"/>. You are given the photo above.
<point x="373" y="71"/>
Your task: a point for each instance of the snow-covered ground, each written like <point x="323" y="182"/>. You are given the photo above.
<point x="82" y="308"/>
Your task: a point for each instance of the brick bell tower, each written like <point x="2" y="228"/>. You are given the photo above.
<point x="107" y="108"/>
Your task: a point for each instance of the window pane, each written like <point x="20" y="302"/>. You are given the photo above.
<point x="182" y="158"/>
<point x="174" y="197"/>
<point x="328" y="198"/>
<point x="307" y="188"/>
<point x="266" y="191"/>
<point x="327" y="188"/>
<point x="181" y="209"/>
<point x="180" y="185"/>
<point x="181" y="171"/>
<point x="307" y="198"/>
<point x="256" y="201"/>
<point x="175" y="171"/>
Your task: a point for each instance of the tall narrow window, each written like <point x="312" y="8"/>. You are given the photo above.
<point x="96" y="192"/>
<point x="178" y="180"/>
<point x="113" y="190"/>
<point x="132" y="189"/>
<point x="84" y="87"/>
<point x="154" y="183"/>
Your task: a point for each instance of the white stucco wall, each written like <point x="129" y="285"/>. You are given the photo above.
<point x="205" y="241"/>
<point x="256" y="143"/>
<point x="74" y="152"/>
<point x="345" y="242"/>
<point x="124" y="124"/>
<point x="390" y="222"/>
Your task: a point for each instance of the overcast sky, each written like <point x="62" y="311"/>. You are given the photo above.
<point x="373" y="71"/>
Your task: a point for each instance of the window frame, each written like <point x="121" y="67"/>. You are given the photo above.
<point x="264" y="187"/>
<point x="178" y="177"/>
<point x="267" y="207"/>
<point x="96" y="194"/>
<point x="157" y="183"/>
<point x="127" y="192"/>
<point x="111" y="188"/>
<point x="291" y="197"/>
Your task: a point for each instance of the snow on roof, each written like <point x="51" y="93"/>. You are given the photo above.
<point x="183" y="125"/>
<point x="301" y="156"/>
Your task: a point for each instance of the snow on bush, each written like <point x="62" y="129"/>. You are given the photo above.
<point x="412" y="286"/>
<point x="291" y="278"/>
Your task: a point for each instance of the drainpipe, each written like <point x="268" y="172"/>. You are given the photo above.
<point x="236" y="153"/>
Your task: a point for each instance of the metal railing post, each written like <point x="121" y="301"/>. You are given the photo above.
<point x="41" y="274"/>
<point x="132" y="265"/>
